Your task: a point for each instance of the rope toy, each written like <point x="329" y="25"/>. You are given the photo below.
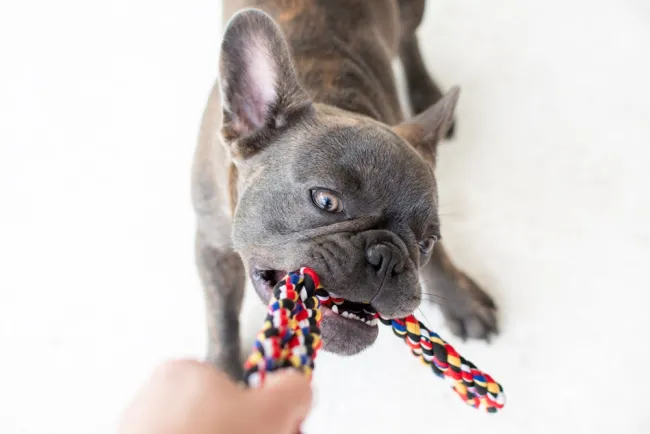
<point x="290" y="338"/>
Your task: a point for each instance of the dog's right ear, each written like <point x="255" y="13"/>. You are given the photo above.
<point x="425" y="130"/>
<point x="259" y="87"/>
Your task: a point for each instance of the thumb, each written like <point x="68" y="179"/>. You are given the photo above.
<point x="284" y="401"/>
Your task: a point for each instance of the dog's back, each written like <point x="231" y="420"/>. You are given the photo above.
<point x="340" y="44"/>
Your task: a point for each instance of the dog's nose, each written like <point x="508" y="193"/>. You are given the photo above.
<point x="386" y="258"/>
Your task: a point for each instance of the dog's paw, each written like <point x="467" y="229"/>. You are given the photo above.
<point x="469" y="311"/>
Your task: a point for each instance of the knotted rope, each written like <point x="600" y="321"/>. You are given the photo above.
<point x="290" y="337"/>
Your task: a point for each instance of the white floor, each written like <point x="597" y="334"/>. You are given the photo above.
<point x="545" y="197"/>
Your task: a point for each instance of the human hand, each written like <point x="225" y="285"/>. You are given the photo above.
<point x="189" y="397"/>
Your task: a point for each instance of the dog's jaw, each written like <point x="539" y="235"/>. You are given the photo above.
<point x="344" y="332"/>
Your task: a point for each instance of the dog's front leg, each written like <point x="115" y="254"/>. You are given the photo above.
<point x="468" y="310"/>
<point x="223" y="277"/>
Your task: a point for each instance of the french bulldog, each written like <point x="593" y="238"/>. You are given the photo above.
<point x="304" y="158"/>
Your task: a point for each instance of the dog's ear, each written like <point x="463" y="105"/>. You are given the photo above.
<point x="259" y="87"/>
<point x="425" y="130"/>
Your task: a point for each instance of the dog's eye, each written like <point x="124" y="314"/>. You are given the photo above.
<point x="327" y="200"/>
<point x="426" y="245"/>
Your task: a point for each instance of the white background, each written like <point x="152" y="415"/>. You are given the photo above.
<point x="545" y="201"/>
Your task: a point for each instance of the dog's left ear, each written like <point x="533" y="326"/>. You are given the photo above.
<point x="259" y="88"/>
<point x="425" y="130"/>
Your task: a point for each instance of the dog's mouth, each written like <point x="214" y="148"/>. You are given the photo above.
<point x="355" y="311"/>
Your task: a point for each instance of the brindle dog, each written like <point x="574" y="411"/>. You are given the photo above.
<point x="304" y="158"/>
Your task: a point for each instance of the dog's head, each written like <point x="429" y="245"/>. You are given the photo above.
<point x="350" y="197"/>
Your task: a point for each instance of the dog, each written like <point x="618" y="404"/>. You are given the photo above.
<point x="304" y="158"/>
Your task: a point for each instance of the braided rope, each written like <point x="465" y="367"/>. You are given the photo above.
<point x="473" y="386"/>
<point x="290" y="337"/>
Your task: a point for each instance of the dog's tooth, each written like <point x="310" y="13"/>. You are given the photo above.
<point x="335" y="309"/>
<point x="346" y="315"/>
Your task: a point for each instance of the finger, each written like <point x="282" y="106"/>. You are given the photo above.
<point x="176" y="395"/>
<point x="188" y="376"/>
<point x="284" y="401"/>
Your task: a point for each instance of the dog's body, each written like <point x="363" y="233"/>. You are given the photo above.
<point x="304" y="158"/>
